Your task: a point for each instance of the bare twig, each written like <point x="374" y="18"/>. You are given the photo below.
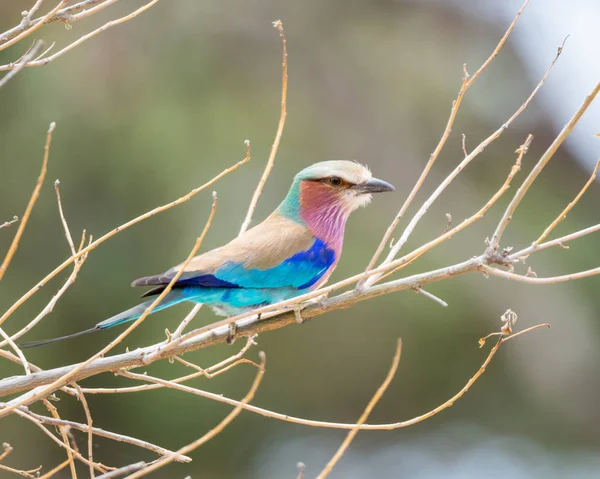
<point x="22" y="63"/>
<point x="365" y="415"/>
<point x="555" y="242"/>
<point x="438" y="191"/>
<point x="107" y="434"/>
<point x="46" y="60"/>
<point x="535" y="280"/>
<point x="123" y="470"/>
<point x="55" y="470"/>
<point x="263" y="179"/>
<point x="187" y="320"/>
<point x="32" y="28"/>
<point x="22" y="472"/>
<point x="433" y="297"/>
<point x="6" y="224"/>
<point x="537" y="169"/>
<point x="28" y="398"/>
<point x="217" y="429"/>
<point x="467" y="82"/>
<point x="90" y="422"/>
<point x="113" y="232"/>
<point x="34" y="196"/>
<point x="568" y="208"/>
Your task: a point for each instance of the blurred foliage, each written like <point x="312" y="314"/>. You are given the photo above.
<point x="155" y="107"/>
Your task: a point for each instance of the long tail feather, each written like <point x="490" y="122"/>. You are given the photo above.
<point x="33" y="344"/>
<point x="131" y="314"/>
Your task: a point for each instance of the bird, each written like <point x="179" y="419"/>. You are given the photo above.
<point x="293" y="251"/>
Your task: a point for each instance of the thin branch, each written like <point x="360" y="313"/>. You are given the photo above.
<point x="68" y="377"/>
<point x="90" y="422"/>
<point x="56" y="470"/>
<point x="34" y="196"/>
<point x="365" y="415"/>
<point x="263" y="179"/>
<point x="60" y="15"/>
<point x="123" y="470"/>
<point x="50" y="306"/>
<point x="323" y="424"/>
<point x="7" y="450"/>
<point x="537" y="169"/>
<point x="75" y="454"/>
<point x="62" y="218"/>
<point x="209" y="372"/>
<point x="463" y="164"/>
<point x="65" y="439"/>
<point x="187" y="320"/>
<point x="467" y="82"/>
<point x="433" y="297"/>
<point x="217" y="429"/>
<point x="113" y="232"/>
<point x="555" y="242"/>
<point x="107" y="434"/>
<point x="17" y="350"/>
<point x="6" y="224"/>
<point x="32" y="28"/>
<point x="568" y="208"/>
<point x="22" y="472"/>
<point x="534" y="280"/>
<point x="106" y="26"/>
<point x="22" y="63"/>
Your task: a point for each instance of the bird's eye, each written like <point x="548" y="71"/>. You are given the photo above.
<point x="335" y="181"/>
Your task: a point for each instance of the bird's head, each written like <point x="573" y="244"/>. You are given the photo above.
<point x="347" y="184"/>
<point x="324" y="194"/>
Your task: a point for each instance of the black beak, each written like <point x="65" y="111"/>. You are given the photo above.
<point x="374" y="185"/>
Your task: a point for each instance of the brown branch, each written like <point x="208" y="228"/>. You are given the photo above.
<point x="32" y="28"/>
<point x="107" y="434"/>
<point x="537" y="169"/>
<point x="56" y="470"/>
<point x="123" y="470"/>
<point x="110" y="234"/>
<point x="534" y="280"/>
<point x="365" y="415"/>
<point x="46" y="60"/>
<point x="263" y="179"/>
<point x="28" y="398"/>
<point x="90" y="422"/>
<point x="467" y="82"/>
<point x="569" y="207"/>
<point x="22" y="63"/>
<point x="6" y="224"/>
<point x="34" y="196"/>
<point x="217" y="429"/>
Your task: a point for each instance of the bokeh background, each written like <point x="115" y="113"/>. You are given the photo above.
<point x="153" y="108"/>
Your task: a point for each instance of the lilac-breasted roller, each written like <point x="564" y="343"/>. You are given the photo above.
<point x="291" y="252"/>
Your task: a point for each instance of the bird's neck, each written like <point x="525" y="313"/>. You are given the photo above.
<point x="313" y="205"/>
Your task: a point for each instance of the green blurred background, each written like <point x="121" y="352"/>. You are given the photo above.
<point x="153" y="108"/>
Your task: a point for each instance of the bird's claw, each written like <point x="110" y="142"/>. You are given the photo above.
<point x="232" y="332"/>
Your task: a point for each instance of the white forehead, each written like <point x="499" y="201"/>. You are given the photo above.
<point x="350" y="171"/>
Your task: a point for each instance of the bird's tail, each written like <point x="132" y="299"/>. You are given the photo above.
<point x="131" y="314"/>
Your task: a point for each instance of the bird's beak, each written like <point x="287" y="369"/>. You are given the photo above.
<point x="374" y="185"/>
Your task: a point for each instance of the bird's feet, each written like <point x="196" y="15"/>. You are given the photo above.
<point x="231" y="334"/>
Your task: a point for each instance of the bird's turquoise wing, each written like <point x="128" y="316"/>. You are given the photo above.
<point x="300" y="271"/>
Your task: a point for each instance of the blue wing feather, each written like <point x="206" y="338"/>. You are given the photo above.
<point x="300" y="271"/>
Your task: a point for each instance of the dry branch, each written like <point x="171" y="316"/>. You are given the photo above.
<point x="365" y="415"/>
<point x="271" y="161"/>
<point x="34" y="196"/>
<point x="37" y="384"/>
